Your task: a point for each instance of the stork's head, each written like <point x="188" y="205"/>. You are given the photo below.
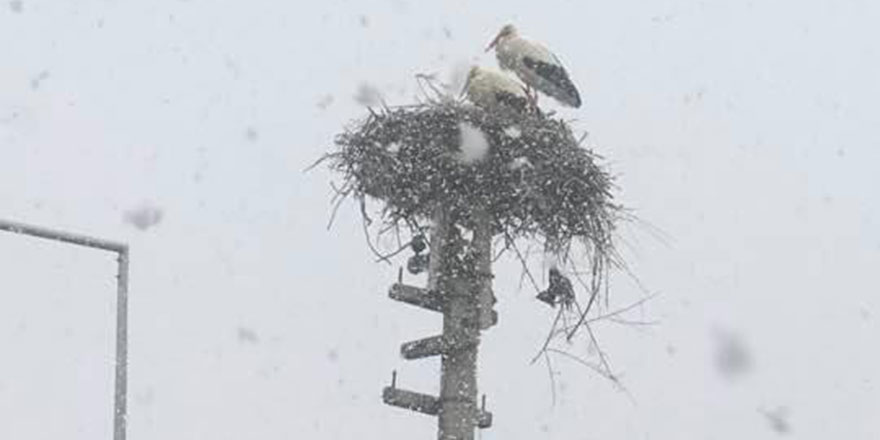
<point x="506" y="32"/>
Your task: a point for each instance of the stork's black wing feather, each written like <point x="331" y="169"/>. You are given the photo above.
<point x="555" y="74"/>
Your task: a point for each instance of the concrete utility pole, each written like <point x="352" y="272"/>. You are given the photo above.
<point x="121" y="250"/>
<point x="460" y="287"/>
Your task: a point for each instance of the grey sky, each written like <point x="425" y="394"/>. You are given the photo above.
<point x="744" y="131"/>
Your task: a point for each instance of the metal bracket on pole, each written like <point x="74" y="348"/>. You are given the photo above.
<point x="434" y="346"/>
<point x="411" y="400"/>
<point x="424" y="298"/>
<point x="421" y="348"/>
<point x="484" y="419"/>
<point x="426" y="404"/>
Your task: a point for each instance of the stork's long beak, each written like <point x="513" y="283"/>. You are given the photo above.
<point x="494" y="42"/>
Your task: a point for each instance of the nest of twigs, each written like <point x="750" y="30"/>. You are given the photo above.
<point x="536" y="180"/>
<point x="536" y="183"/>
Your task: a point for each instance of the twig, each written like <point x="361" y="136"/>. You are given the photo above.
<point x="552" y="375"/>
<point x="583" y="362"/>
<point x="337" y="202"/>
<point x="365" y="222"/>
<point x="602" y="358"/>
<point x="633" y="323"/>
<point x="402" y="248"/>
<point x="612" y="378"/>
<point x="583" y="316"/>
<point x="611" y="316"/>
<point x="319" y="161"/>
<point x="550" y="335"/>
<point x="623" y="310"/>
<point x="594" y="292"/>
<point x="428" y="79"/>
<point x="522" y="261"/>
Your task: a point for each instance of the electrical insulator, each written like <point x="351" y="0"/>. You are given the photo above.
<point x="418" y="243"/>
<point x="418" y="263"/>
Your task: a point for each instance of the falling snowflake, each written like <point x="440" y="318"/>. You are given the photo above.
<point x="333" y="355"/>
<point x="368" y="95"/>
<point x="143" y="217"/>
<point x="251" y="134"/>
<point x="325" y="101"/>
<point x="246" y="335"/>
<point x="731" y="357"/>
<point x="37" y="80"/>
<point x="778" y="419"/>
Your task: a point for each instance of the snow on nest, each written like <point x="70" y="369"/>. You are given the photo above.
<point x="534" y="180"/>
<point x="474" y="146"/>
<point x="513" y="131"/>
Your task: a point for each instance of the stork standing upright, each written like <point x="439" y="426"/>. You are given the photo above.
<point x="491" y="89"/>
<point x="535" y="65"/>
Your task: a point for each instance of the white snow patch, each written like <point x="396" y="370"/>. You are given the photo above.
<point x="513" y="132"/>
<point x="520" y="162"/>
<point x="474" y="145"/>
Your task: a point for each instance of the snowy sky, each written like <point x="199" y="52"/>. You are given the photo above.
<point x="744" y="133"/>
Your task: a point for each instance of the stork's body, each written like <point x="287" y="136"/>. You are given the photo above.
<point x="491" y="89"/>
<point x="535" y="65"/>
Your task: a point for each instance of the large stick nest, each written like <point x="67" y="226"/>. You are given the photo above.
<point x="536" y="180"/>
<point x="537" y="183"/>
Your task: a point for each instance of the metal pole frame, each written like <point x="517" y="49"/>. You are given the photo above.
<point x="121" y="251"/>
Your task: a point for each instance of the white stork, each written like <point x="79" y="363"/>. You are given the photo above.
<point x="535" y="65"/>
<point x="491" y="89"/>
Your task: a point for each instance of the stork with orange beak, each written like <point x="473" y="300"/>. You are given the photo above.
<point x="534" y="65"/>
<point x="491" y="89"/>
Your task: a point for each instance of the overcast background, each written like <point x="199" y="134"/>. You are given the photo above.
<point x="744" y="132"/>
